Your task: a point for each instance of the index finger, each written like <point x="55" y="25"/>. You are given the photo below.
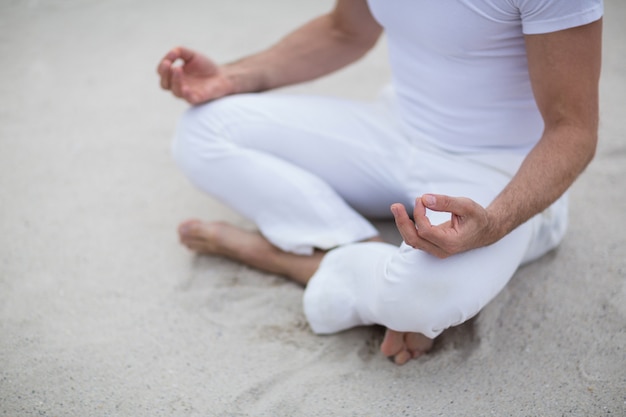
<point x="405" y="226"/>
<point x="180" y="52"/>
<point x="435" y="235"/>
<point x="183" y="53"/>
<point x="419" y="215"/>
<point x="164" y="69"/>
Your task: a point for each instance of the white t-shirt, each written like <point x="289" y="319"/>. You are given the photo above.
<point x="459" y="66"/>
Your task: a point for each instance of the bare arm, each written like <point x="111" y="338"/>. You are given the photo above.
<point x="564" y="70"/>
<point x="317" y="48"/>
<point x="320" y="47"/>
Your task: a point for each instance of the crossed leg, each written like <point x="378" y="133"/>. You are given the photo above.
<point x="252" y="249"/>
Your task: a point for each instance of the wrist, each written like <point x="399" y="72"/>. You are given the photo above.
<point x="240" y="79"/>
<point x="497" y="224"/>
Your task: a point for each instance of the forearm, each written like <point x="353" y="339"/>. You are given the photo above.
<point x="315" y="49"/>
<point x="546" y="173"/>
<point x="564" y="69"/>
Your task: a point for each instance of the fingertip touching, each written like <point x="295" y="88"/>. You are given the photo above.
<point x="429" y="200"/>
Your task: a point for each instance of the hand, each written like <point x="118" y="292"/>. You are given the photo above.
<point x="197" y="80"/>
<point x="469" y="227"/>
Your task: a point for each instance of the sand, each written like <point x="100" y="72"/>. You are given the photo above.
<point x="103" y="313"/>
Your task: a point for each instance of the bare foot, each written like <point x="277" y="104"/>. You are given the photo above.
<point x="248" y="247"/>
<point x="216" y="238"/>
<point x="400" y="347"/>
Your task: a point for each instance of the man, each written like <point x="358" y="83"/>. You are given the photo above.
<point x="492" y="116"/>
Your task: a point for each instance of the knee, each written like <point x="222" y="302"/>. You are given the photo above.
<point x="329" y="310"/>
<point x="197" y="137"/>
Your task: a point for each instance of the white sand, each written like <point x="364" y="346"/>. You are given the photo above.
<point x="102" y="313"/>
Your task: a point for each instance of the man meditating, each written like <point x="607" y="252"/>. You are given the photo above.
<point x="491" y="115"/>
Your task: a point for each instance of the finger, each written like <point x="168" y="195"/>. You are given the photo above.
<point x="437" y="202"/>
<point x="419" y="215"/>
<point x="165" y="66"/>
<point x="177" y="53"/>
<point x="405" y="225"/>
<point x="177" y="81"/>
<point x="410" y="234"/>
<point x="185" y="54"/>
<point x="164" y="70"/>
<point x="430" y="237"/>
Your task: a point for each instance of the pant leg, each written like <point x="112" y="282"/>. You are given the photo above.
<point x="304" y="169"/>
<point x="406" y="289"/>
<point x="409" y="290"/>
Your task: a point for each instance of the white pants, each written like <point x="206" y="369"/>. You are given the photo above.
<point x="309" y="170"/>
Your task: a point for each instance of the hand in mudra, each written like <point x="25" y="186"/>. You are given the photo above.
<point x="192" y="76"/>
<point x="469" y="227"/>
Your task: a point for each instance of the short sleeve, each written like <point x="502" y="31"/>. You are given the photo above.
<point x="544" y="16"/>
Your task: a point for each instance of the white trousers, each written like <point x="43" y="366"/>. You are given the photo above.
<point x="309" y="171"/>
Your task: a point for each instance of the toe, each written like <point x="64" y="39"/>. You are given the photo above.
<point x="393" y="343"/>
<point x="402" y="357"/>
<point x="417" y="343"/>
<point x="187" y="226"/>
<point x="400" y="347"/>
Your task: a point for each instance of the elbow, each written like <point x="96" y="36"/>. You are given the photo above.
<point x="581" y="140"/>
<point x="356" y="30"/>
<point x="590" y="146"/>
<point x="359" y="43"/>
